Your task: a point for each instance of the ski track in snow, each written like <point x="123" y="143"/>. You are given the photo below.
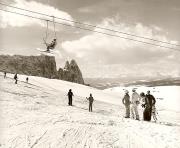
<point x="37" y="116"/>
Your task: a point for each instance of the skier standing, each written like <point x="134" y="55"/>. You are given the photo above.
<point x="91" y="99"/>
<point x="4" y="75"/>
<point x="151" y="101"/>
<point x="145" y="105"/>
<point x="126" y="102"/>
<point x="135" y="100"/>
<point x="70" y="95"/>
<point x="15" y="78"/>
<point x="27" y="79"/>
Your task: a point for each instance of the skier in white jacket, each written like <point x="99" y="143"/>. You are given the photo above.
<point x="135" y="100"/>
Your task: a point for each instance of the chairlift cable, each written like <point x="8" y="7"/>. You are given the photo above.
<point x="90" y="25"/>
<point x="55" y="36"/>
<point x="87" y="29"/>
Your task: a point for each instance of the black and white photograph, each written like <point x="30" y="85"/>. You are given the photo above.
<point x="89" y="73"/>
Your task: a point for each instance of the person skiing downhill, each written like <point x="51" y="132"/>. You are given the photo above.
<point x="91" y="100"/>
<point x="135" y="100"/>
<point x="126" y="102"/>
<point x="70" y="95"/>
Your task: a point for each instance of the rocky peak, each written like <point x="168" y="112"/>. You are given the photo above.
<point x="67" y="66"/>
<point x="44" y="66"/>
<point x="71" y="72"/>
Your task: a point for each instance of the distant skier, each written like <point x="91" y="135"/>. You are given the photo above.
<point x="151" y="101"/>
<point x="135" y="100"/>
<point x="70" y="95"/>
<point x="15" y="78"/>
<point x="91" y="100"/>
<point x="126" y="102"/>
<point x="4" y="75"/>
<point x="27" y="79"/>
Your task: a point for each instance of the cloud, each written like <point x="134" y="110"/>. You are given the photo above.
<point x="14" y="20"/>
<point x="113" y="50"/>
<point x="107" y="56"/>
<point x="85" y="10"/>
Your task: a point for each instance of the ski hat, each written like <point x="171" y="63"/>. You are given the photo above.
<point x="126" y="91"/>
<point x="133" y="89"/>
<point x="142" y="94"/>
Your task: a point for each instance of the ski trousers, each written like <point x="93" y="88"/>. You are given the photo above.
<point x="127" y="110"/>
<point x="90" y="106"/>
<point x="134" y="111"/>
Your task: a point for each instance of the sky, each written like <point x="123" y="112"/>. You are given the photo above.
<point x="99" y="55"/>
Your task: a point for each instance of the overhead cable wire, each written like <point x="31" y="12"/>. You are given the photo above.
<point x="90" y="25"/>
<point x="87" y="29"/>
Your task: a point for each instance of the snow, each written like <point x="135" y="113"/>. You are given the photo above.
<point x="36" y="115"/>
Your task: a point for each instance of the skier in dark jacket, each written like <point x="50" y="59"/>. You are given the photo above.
<point x="126" y="102"/>
<point x="70" y="95"/>
<point x="27" y="79"/>
<point x="150" y="102"/>
<point x="145" y="105"/>
<point x="15" y="78"/>
<point x="91" y="99"/>
<point x="4" y="75"/>
<point x="51" y="45"/>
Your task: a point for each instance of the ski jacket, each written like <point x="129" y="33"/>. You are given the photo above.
<point x="135" y="98"/>
<point x="70" y="94"/>
<point x="15" y="76"/>
<point x="126" y="99"/>
<point x="91" y="99"/>
<point x="151" y="100"/>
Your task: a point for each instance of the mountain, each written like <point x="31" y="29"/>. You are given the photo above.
<point x="71" y="72"/>
<point x="44" y="66"/>
<point x="103" y="83"/>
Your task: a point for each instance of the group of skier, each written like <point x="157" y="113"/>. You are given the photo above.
<point x="15" y="77"/>
<point x="90" y="99"/>
<point x="132" y="105"/>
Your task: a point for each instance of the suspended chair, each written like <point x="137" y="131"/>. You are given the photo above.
<point x="53" y="43"/>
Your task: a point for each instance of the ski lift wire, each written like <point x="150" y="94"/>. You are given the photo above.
<point x="47" y="28"/>
<point x="55" y="36"/>
<point x="90" y="25"/>
<point x="113" y="35"/>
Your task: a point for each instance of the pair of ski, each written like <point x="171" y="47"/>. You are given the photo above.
<point x="49" y="53"/>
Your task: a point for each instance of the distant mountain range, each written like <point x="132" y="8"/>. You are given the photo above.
<point x="103" y="83"/>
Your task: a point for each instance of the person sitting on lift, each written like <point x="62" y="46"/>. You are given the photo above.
<point x="51" y="45"/>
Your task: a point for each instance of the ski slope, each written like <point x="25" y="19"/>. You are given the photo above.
<point x="36" y="115"/>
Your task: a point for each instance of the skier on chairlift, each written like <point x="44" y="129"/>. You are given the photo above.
<point x="52" y="45"/>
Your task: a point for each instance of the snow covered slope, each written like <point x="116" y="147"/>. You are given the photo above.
<point x="36" y="115"/>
